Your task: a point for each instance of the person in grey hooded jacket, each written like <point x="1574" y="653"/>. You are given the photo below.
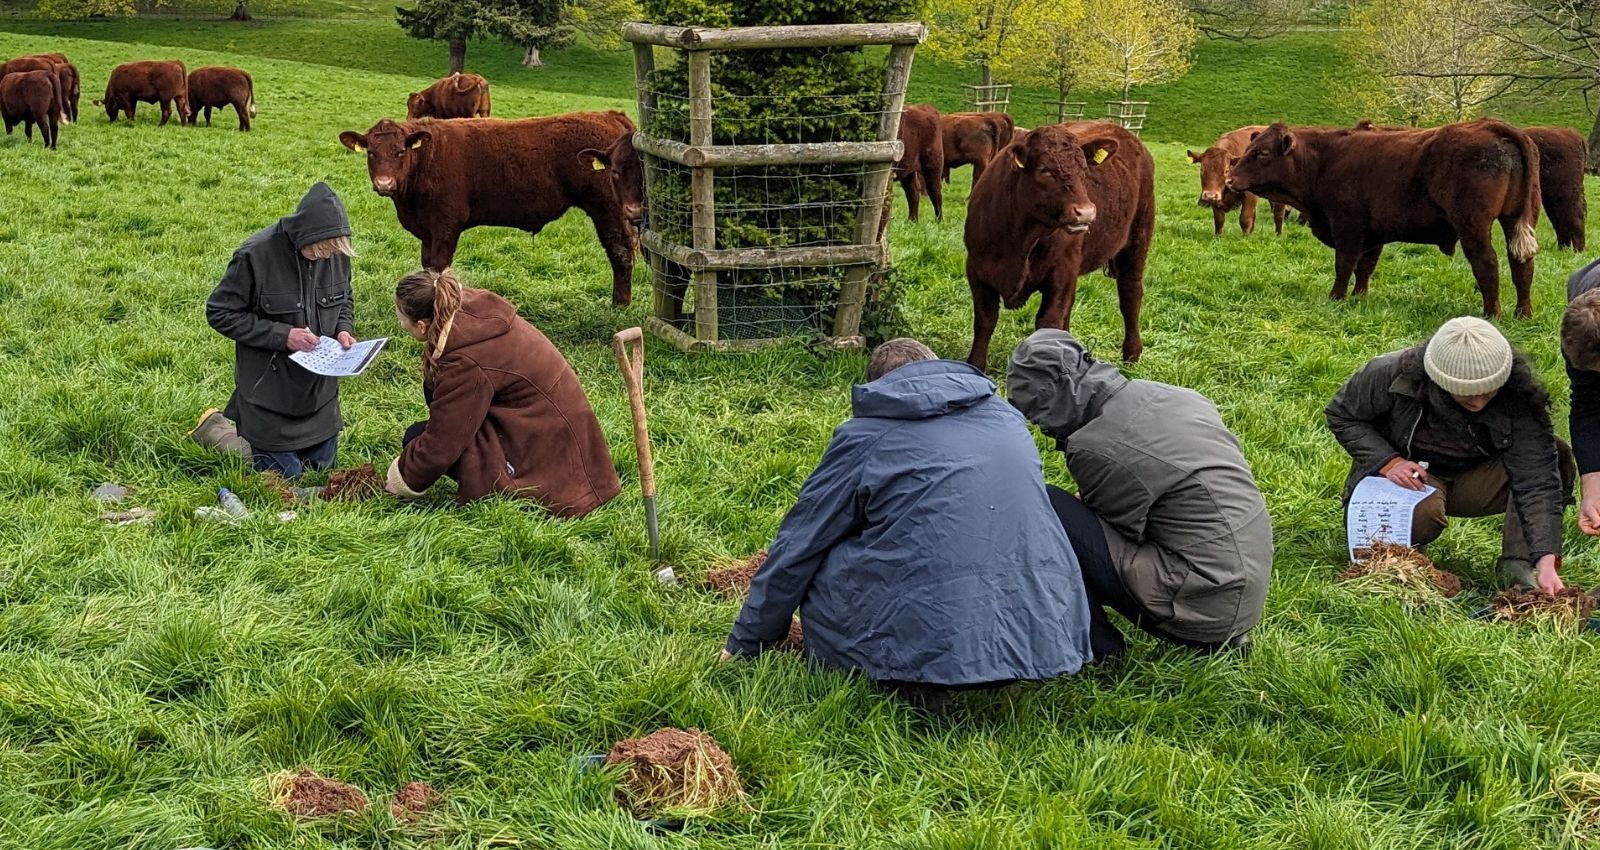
<point x="922" y="550"/>
<point x="1169" y="525"/>
<point x="286" y="288"/>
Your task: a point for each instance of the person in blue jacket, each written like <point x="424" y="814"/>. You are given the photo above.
<point x="923" y="550"/>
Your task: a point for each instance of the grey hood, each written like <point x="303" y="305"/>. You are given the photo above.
<point x="320" y="216"/>
<point x="1057" y="384"/>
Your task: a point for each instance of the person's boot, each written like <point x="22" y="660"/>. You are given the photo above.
<point x="214" y="431"/>
<point x="1516" y="572"/>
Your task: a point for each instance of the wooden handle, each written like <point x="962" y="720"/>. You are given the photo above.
<point x="628" y="346"/>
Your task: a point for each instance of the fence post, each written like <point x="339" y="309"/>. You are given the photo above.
<point x="703" y="195"/>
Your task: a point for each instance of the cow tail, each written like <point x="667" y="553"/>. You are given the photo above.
<point x="60" y="106"/>
<point x="250" y="92"/>
<point x="1525" y="244"/>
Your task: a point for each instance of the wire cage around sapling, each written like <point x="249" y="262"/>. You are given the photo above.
<point x="767" y="154"/>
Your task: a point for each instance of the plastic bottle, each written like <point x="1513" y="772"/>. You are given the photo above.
<point x="231" y="504"/>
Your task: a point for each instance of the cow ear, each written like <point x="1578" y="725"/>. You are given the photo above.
<point x="596" y="160"/>
<point x="1194" y="158"/>
<point x="417" y="139"/>
<point x="1100" y="150"/>
<point x="1232" y="161"/>
<point x="1019" y="157"/>
<point x="1287" y="145"/>
<point x="1253" y="135"/>
<point x="354" y="141"/>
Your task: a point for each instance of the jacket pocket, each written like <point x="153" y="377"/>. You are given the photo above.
<point x="331" y="301"/>
<point x="282" y="306"/>
<point x="285" y="388"/>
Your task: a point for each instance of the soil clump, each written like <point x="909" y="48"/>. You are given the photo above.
<point x="1401" y="568"/>
<point x="353" y="485"/>
<point x="675" y="772"/>
<point x="308" y="794"/>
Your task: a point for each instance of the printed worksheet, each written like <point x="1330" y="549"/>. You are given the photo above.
<point x="1380" y="510"/>
<point x="330" y="359"/>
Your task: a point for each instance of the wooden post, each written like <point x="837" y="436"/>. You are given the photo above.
<point x="853" y="293"/>
<point x="703" y="200"/>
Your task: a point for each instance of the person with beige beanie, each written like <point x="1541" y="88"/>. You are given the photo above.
<point x="1463" y="413"/>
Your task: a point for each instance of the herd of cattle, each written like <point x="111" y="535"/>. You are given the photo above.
<point x="1047" y="206"/>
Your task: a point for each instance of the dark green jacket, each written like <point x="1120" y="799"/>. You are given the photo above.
<point x="1376" y="413"/>
<point x="268" y="289"/>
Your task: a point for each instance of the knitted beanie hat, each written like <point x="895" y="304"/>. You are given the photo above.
<point x="1468" y="357"/>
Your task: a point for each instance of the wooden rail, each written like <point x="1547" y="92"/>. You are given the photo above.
<point x="753" y="38"/>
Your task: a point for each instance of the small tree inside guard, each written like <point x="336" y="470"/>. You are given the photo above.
<point x="767" y="153"/>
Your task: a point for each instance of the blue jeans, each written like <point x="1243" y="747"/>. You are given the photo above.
<point x="291" y="464"/>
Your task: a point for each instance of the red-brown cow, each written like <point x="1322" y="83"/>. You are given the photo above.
<point x="156" y="81"/>
<point x="973" y="138"/>
<point x="1360" y="191"/>
<point x="1064" y="201"/>
<point x="29" y="98"/>
<point x="1562" y="154"/>
<point x="219" y="87"/>
<point x="455" y="96"/>
<point x="448" y="176"/>
<point x="65" y="72"/>
<point x="1214" y="163"/>
<point x="921" y="166"/>
<point x="72" y="83"/>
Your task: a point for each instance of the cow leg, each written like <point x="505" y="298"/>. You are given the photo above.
<point x="27" y="129"/>
<point x="439" y="248"/>
<point x="1485" y="263"/>
<point x="1344" y="264"/>
<point x="1056" y="303"/>
<point x="909" y="184"/>
<point x="1247" y="214"/>
<point x="930" y="182"/>
<point x="132" y="105"/>
<point x="612" y="229"/>
<point x="1364" y="267"/>
<point x="243" y="108"/>
<point x="978" y="166"/>
<point x="985" y="314"/>
<point x="1219" y="219"/>
<point x="166" y="112"/>
<point x="1521" y="272"/>
<point x="208" y="116"/>
<point x="1280" y="213"/>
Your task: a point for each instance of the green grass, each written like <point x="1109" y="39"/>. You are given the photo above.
<point x="152" y="677"/>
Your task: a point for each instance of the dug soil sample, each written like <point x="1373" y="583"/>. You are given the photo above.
<point x="734" y="581"/>
<point x="414" y="800"/>
<point x="1571" y="608"/>
<point x="308" y="794"/>
<point x="796" y="641"/>
<point x="279" y="486"/>
<point x="675" y="773"/>
<point x="353" y="485"/>
<point x="1403" y="569"/>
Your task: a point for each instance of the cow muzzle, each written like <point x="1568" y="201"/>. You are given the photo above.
<point x="384" y="186"/>
<point x="1210" y="198"/>
<point x="1079" y="218"/>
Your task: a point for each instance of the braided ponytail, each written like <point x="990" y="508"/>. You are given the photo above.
<point x="436" y="297"/>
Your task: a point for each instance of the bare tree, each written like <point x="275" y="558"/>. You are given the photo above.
<point x="1129" y="43"/>
<point x="1248" y="20"/>
<point x="1426" y="60"/>
<point x="1554" y="43"/>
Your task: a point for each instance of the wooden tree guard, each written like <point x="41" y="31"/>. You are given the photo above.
<point x="703" y="157"/>
<point x="1070" y="110"/>
<point x="1130" y="114"/>
<point x="990" y="98"/>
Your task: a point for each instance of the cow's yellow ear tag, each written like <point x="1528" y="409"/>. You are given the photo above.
<point x="1017" y="161"/>
<point x="597" y="165"/>
<point x="1100" y="156"/>
<point x="416" y="144"/>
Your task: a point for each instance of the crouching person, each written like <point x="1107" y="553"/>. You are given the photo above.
<point x="506" y="413"/>
<point x="922" y="550"/>
<point x="1463" y="413"/>
<point x="1169" y="525"/>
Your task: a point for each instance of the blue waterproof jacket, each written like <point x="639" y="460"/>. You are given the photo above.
<point x="923" y="548"/>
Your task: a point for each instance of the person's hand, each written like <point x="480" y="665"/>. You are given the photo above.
<point x="1589" y="505"/>
<point x="1407" y="474"/>
<point x="1546" y="577"/>
<point x="302" y="339"/>
<point x="346" y="339"/>
<point x="726" y="657"/>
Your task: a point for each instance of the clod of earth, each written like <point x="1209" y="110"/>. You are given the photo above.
<point x="734" y="581"/>
<point x="1403" y="570"/>
<point x="1569" y="608"/>
<point x="353" y="485"/>
<point x="280" y="487"/>
<point x="796" y="641"/>
<point x="308" y="794"/>
<point x="675" y="772"/>
<point x="414" y="800"/>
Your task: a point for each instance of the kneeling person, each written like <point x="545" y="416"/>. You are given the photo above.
<point x="506" y="413"/>
<point x="922" y="550"/>
<point x="1169" y="525"/>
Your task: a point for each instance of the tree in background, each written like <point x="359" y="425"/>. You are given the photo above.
<point x="1424" y="61"/>
<point x="1553" y="43"/>
<point x="1127" y="43"/>
<point x="991" y="34"/>
<point x="450" y="21"/>
<point x="1248" y="20"/>
<point x="601" y="20"/>
<point x="533" y="25"/>
<point x="1053" y="57"/>
<point x="83" y="9"/>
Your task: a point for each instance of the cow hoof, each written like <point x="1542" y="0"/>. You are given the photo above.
<point x="1131" y="354"/>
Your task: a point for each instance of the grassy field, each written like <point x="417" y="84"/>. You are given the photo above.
<point x="152" y="677"/>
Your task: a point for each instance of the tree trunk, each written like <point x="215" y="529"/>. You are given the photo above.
<point x="530" y="57"/>
<point x="458" y="55"/>
<point x="985" y="76"/>
<point x="241" y="11"/>
<point x="1593" y="165"/>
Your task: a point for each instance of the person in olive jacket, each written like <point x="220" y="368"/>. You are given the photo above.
<point x="286" y="288"/>
<point x="1463" y="413"/>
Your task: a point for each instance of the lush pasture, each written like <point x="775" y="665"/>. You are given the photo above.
<point x="151" y="677"/>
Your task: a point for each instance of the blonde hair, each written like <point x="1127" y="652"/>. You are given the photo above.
<point x="338" y="246"/>
<point x="435" y="296"/>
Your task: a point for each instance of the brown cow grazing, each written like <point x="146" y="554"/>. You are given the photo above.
<point x="1214" y="163"/>
<point x="1360" y="191"/>
<point x="1562" y="154"/>
<point x="455" y="96"/>
<point x="158" y="81"/>
<point x="1062" y="202"/>
<point x="973" y="138"/>
<point x="921" y="166"/>
<point x="29" y="98"/>
<point x="66" y="76"/>
<point x="447" y="176"/>
<point x="218" y="87"/>
<point x="71" y="81"/>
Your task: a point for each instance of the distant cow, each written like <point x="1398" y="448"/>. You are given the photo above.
<point x="1362" y="190"/>
<point x="447" y="176"/>
<point x="1214" y="163"/>
<point x="71" y="80"/>
<point x="455" y="96"/>
<point x="1063" y="201"/>
<point x="921" y="166"/>
<point x="164" y="82"/>
<point x="66" y="76"/>
<point x="973" y="138"/>
<point x="29" y="98"/>
<point x="217" y="88"/>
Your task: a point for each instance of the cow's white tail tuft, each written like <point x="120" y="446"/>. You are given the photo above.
<point x="252" y="105"/>
<point x="1525" y="245"/>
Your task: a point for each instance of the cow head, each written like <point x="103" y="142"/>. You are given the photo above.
<point x="392" y="150"/>
<point x="1054" y="168"/>
<point x="1214" y="165"/>
<point x="1268" y="166"/>
<point x="416" y="106"/>
<point x="624" y="172"/>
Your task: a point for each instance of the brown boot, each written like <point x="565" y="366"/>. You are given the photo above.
<point x="215" y="432"/>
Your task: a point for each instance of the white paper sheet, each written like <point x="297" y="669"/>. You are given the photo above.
<point x="330" y="358"/>
<point x="1380" y="510"/>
